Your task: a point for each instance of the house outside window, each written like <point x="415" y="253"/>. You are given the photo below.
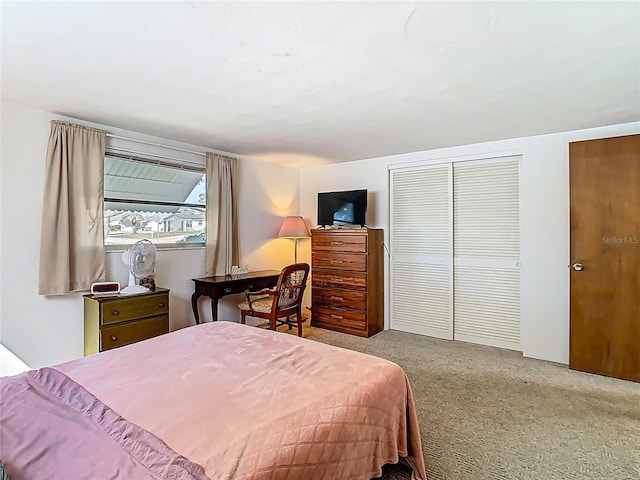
<point x="153" y="199"/>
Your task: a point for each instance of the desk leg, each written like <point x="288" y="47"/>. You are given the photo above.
<point x="214" y="309"/>
<point x="194" y="305"/>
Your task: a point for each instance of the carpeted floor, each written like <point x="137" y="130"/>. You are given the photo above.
<point x="487" y="413"/>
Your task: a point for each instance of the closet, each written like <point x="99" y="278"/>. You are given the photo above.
<point x="455" y="250"/>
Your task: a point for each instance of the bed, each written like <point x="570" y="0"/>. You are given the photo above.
<point x="215" y="401"/>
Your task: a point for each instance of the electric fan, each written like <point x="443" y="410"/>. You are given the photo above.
<point x="141" y="260"/>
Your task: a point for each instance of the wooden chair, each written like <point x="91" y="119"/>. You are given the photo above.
<point x="278" y="305"/>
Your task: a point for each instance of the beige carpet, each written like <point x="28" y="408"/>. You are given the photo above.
<point x="487" y="413"/>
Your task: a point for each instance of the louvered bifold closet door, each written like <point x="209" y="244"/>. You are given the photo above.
<point x="487" y="252"/>
<point x="421" y="251"/>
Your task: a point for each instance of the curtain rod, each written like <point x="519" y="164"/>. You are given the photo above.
<point x="155" y="144"/>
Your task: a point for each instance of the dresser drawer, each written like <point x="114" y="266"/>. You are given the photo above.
<point x="123" y="309"/>
<point x="354" y="320"/>
<point x="339" y="243"/>
<point x="339" y="298"/>
<point x="356" y="262"/>
<point x="119" y="335"/>
<point x="351" y="280"/>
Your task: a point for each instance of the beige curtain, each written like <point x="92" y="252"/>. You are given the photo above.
<point x="72" y="238"/>
<point x="222" y="224"/>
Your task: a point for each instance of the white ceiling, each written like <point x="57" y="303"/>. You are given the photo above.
<point x="299" y="82"/>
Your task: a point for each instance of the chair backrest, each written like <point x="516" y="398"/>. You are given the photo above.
<point x="291" y="285"/>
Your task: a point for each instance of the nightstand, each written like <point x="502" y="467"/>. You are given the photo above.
<point x="114" y="321"/>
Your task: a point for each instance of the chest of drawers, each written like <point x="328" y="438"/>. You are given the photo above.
<point x="111" y="322"/>
<point x="347" y="280"/>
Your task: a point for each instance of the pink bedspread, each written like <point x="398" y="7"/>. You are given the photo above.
<point x="247" y="403"/>
<point x="52" y="428"/>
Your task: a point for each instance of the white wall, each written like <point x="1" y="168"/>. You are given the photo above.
<point x="544" y="218"/>
<point x="48" y="330"/>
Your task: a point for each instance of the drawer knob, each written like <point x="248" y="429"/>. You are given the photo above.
<point x="227" y="290"/>
<point x="336" y="262"/>
<point x="340" y="299"/>
<point x="160" y="304"/>
<point x="115" y="313"/>
<point x="336" y="316"/>
<point x="113" y="338"/>
<point x="334" y="279"/>
<point x="337" y="244"/>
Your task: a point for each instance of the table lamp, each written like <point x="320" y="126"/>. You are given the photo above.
<point x="294" y="227"/>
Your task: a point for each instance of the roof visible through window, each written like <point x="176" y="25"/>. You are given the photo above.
<point x="155" y="200"/>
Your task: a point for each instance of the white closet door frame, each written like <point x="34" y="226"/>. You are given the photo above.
<point x="425" y="259"/>
<point x="488" y="157"/>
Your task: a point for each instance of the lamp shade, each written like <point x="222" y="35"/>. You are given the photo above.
<point x="294" y="227"/>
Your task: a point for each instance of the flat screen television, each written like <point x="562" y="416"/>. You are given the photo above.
<point x="342" y="208"/>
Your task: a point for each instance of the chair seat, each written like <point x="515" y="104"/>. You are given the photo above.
<point x="262" y="305"/>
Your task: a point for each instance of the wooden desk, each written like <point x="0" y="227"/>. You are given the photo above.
<point x="217" y="287"/>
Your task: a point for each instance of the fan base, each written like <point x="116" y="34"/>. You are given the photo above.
<point x="133" y="289"/>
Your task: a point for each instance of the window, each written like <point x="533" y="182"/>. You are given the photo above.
<point x="155" y="199"/>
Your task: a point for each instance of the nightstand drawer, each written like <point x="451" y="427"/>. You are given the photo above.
<point x="123" y="309"/>
<point x="119" y="335"/>
<point x="339" y="243"/>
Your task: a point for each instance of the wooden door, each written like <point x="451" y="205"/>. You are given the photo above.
<point x="605" y="256"/>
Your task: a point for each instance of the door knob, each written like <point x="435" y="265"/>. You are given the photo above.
<point x="578" y="267"/>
